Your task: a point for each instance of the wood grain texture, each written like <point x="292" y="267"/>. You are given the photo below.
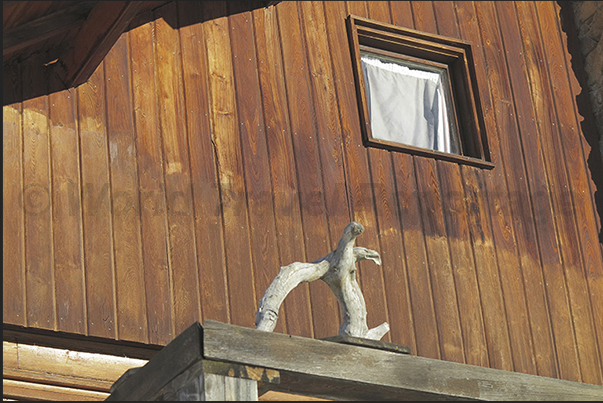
<point x="361" y="190"/>
<point x="125" y="199"/>
<point x="401" y="15"/>
<point x="38" y="391"/>
<point x="37" y="204"/>
<point x="206" y="196"/>
<point x="543" y="212"/>
<point x="252" y="130"/>
<point x="363" y="372"/>
<point x="408" y="200"/>
<point x="457" y="229"/>
<point x="501" y="196"/>
<point x="227" y="146"/>
<point x="333" y="162"/>
<point x="416" y="258"/>
<point x="176" y="171"/>
<point x="94" y="40"/>
<point x="385" y="201"/>
<point x="13" y="13"/>
<point x="579" y="183"/>
<point x="41" y="29"/>
<point x="13" y="229"/>
<point x="285" y="189"/>
<point x="592" y="256"/>
<point x="316" y="239"/>
<point x="63" y="367"/>
<point x="176" y="181"/>
<point x="566" y="236"/>
<point x="463" y="265"/>
<point x="434" y="229"/>
<point x="520" y="202"/>
<point x="497" y="333"/>
<point x="96" y="207"/>
<point x="438" y="255"/>
<point x="153" y="214"/>
<point x="66" y="213"/>
<point x="325" y="109"/>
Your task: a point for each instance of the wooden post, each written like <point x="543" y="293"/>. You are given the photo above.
<point x="179" y="372"/>
<point x="196" y="384"/>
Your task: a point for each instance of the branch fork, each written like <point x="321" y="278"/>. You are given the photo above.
<point x="338" y="270"/>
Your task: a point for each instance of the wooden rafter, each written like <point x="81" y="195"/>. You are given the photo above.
<point x="106" y="22"/>
<point x="45" y="27"/>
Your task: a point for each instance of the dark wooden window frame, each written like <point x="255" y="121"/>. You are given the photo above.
<point x="429" y="49"/>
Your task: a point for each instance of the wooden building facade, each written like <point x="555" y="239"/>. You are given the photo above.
<point x="218" y="141"/>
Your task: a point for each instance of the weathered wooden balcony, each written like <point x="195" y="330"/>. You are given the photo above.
<point x="217" y="361"/>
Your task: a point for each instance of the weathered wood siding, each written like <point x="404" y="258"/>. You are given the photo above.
<point x="214" y="144"/>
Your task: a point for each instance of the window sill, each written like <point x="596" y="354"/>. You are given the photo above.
<point x="424" y="152"/>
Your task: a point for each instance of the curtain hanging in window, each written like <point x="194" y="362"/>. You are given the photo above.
<point x="407" y="105"/>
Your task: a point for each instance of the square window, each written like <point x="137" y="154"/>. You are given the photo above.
<point x="416" y="93"/>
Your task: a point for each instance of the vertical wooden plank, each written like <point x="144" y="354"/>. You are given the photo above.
<point x="416" y="258"/>
<point x="37" y="201"/>
<point x="423" y="16"/>
<point x="282" y="166"/>
<point x="438" y="255"/>
<point x="225" y="137"/>
<point x="589" y="217"/>
<point x="333" y="160"/>
<point x="66" y="213"/>
<point x="593" y="232"/>
<point x="438" y="252"/>
<point x="569" y="138"/>
<point x="401" y="13"/>
<point x="13" y="258"/>
<point x="463" y="264"/>
<point x="514" y="228"/>
<point x="327" y="117"/>
<point x="206" y="196"/>
<point x="457" y="229"/>
<point x="383" y="223"/>
<point x="495" y="316"/>
<point x="254" y="152"/>
<point x="419" y="283"/>
<point x="313" y="210"/>
<point x="172" y="128"/>
<point x="152" y="187"/>
<point x="129" y="275"/>
<point x="445" y="17"/>
<point x="543" y="208"/>
<point x="96" y="207"/>
<point x="478" y="207"/>
<point x="384" y="193"/>
<point x="434" y="232"/>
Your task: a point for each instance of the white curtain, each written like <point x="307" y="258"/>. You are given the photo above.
<point x="407" y="105"/>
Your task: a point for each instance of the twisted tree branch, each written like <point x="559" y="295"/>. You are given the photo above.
<point x="338" y="270"/>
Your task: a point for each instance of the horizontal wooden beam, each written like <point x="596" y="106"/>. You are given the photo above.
<point x="37" y="363"/>
<point x="332" y="370"/>
<point x="43" y="28"/>
<point x="35" y="372"/>
<point x="78" y="342"/>
<point x="21" y="390"/>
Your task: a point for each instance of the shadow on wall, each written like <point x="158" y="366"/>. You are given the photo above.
<point x="588" y="124"/>
<point x="47" y="81"/>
